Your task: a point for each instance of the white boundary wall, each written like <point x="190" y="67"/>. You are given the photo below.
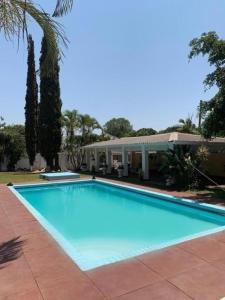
<point x="39" y="163"/>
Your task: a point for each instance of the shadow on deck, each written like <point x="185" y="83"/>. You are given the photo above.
<point x="10" y="250"/>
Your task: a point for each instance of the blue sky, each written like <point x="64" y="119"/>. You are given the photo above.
<point x="126" y="58"/>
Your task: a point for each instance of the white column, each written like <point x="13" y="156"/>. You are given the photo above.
<point x="125" y="162"/>
<point x="108" y="160"/>
<point x="96" y="156"/>
<point x="145" y="163"/>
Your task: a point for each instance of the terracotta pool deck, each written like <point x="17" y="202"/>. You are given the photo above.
<point x="33" y="266"/>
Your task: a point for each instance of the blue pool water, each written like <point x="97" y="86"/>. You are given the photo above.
<point x="99" y="223"/>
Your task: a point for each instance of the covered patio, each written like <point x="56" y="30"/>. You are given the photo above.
<point x="144" y="154"/>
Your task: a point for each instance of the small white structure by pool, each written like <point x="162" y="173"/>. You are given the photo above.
<point x="59" y="175"/>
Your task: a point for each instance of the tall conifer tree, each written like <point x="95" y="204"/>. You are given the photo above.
<point x="31" y="106"/>
<point x="49" y="112"/>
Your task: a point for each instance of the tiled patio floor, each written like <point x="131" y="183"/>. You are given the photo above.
<point x="191" y="270"/>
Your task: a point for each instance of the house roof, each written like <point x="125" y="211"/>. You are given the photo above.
<point x="176" y="137"/>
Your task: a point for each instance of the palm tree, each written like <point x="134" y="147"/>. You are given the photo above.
<point x="187" y="126"/>
<point x="87" y="127"/>
<point x="79" y="131"/>
<point x="13" y="23"/>
<point x="71" y="122"/>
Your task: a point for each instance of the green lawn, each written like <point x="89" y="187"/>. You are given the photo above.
<point x="18" y="177"/>
<point x="22" y="177"/>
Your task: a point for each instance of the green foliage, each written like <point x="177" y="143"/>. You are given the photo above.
<point x="12" y="144"/>
<point x="145" y="131"/>
<point x="118" y="127"/>
<point x="177" y="164"/>
<point x="50" y="118"/>
<point x="170" y="129"/>
<point x="79" y="130"/>
<point x="202" y="110"/>
<point x="187" y="126"/>
<point x="31" y="107"/>
<point x="4" y="142"/>
<point x="209" y="44"/>
<point x="87" y="126"/>
<point x="202" y="154"/>
<point x="180" y="165"/>
<point x="72" y="144"/>
<point x="214" y="123"/>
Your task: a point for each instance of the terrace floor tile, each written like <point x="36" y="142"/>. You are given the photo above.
<point x="220" y="236"/>
<point x="27" y="227"/>
<point x="120" y="278"/>
<point x="158" y="291"/>
<point x="170" y="261"/>
<point x="37" y="240"/>
<point x="220" y="264"/>
<point x="6" y="233"/>
<point x="16" y="277"/>
<point x="203" y="282"/>
<point x="20" y="216"/>
<point x="71" y="290"/>
<point x="32" y="295"/>
<point x="206" y="248"/>
<point x="47" y="258"/>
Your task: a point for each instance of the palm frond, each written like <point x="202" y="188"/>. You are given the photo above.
<point x="13" y="24"/>
<point x="62" y="7"/>
<point x="53" y="32"/>
<point x="11" y="19"/>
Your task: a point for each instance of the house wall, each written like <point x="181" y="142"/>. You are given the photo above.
<point x="154" y="160"/>
<point x="215" y="165"/>
<point x="135" y="160"/>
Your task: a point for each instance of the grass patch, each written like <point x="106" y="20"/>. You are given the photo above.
<point x="24" y="177"/>
<point x="18" y="177"/>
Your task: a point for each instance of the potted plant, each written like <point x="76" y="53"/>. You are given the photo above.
<point x="141" y="174"/>
<point x="93" y="172"/>
<point x="120" y="171"/>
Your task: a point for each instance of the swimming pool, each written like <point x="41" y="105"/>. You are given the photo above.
<point x="97" y="223"/>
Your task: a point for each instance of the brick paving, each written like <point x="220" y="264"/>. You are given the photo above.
<point x="33" y="266"/>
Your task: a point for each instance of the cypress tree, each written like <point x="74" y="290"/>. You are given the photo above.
<point x="31" y="106"/>
<point x="49" y="111"/>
